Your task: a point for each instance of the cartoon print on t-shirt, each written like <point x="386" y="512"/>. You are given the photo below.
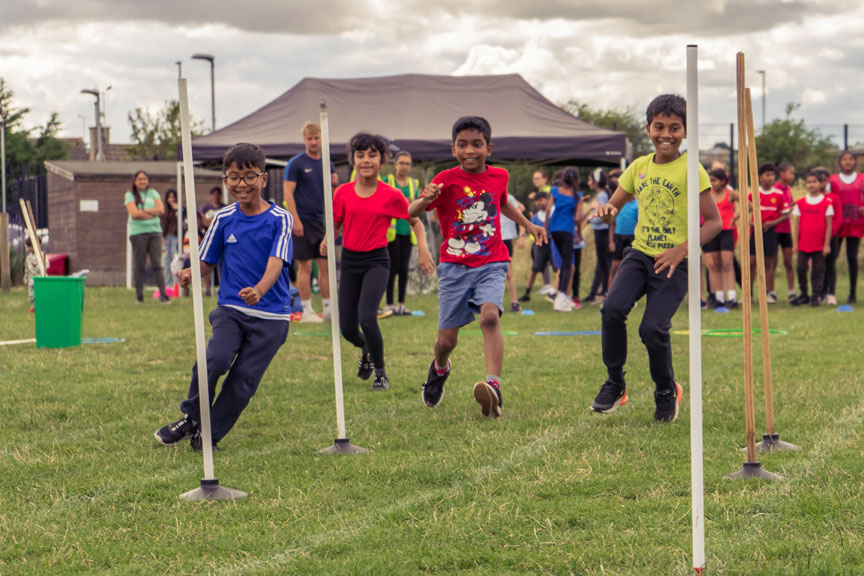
<point x="474" y="225"/>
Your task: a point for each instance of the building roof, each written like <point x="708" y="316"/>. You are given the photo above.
<point x="416" y="112"/>
<point x="72" y="169"/>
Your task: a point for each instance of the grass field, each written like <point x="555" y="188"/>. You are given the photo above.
<point x="549" y="489"/>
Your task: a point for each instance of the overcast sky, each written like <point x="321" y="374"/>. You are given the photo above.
<point x="609" y="54"/>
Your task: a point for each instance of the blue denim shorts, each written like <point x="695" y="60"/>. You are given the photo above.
<point x="462" y="290"/>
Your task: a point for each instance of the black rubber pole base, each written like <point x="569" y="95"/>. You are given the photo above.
<point x="772" y="443"/>
<point x="753" y="470"/>
<point x="343" y="446"/>
<point x="211" y="490"/>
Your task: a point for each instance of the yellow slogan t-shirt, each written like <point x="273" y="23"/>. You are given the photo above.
<point x="662" y="193"/>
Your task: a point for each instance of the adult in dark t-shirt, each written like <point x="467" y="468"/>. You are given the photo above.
<point x="304" y="199"/>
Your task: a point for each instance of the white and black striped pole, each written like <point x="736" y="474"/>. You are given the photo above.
<point x="341" y="445"/>
<point x="210" y="488"/>
<point x="695" y="311"/>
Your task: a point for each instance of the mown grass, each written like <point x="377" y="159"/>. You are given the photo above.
<point x="549" y="489"/>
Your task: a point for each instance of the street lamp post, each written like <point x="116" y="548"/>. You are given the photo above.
<point x="3" y="157"/>
<point x="179" y="68"/>
<point x="98" y="121"/>
<point x="212" y="59"/>
<point x="762" y="72"/>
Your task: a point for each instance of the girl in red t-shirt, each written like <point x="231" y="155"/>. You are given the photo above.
<point x="719" y="252"/>
<point x="363" y="209"/>
<point x="811" y="220"/>
<point x="848" y="185"/>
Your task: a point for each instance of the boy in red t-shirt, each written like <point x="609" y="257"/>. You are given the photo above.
<point x="469" y="200"/>
<point x="785" y="179"/>
<point x="811" y="220"/>
<point x="774" y="209"/>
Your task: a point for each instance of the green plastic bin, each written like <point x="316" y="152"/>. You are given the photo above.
<point x="59" y="310"/>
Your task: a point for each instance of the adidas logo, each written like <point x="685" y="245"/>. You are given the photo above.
<point x="231" y="239"/>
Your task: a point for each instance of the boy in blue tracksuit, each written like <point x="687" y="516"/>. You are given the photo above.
<point x="251" y="242"/>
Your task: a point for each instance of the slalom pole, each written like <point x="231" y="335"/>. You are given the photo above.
<point x="341" y="445"/>
<point x="210" y="488"/>
<point x="751" y="468"/>
<point x="770" y="440"/>
<point x="695" y="311"/>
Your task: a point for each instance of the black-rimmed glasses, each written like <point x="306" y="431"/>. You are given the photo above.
<point x="250" y="178"/>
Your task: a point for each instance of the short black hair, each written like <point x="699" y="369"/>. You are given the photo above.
<point x="719" y="174"/>
<point x="821" y="175"/>
<point x="245" y="156"/>
<point x="823" y="171"/>
<point x="767" y="167"/>
<point x="540" y="195"/>
<point x="366" y="141"/>
<point x="783" y="166"/>
<point x="668" y="104"/>
<point x="473" y="123"/>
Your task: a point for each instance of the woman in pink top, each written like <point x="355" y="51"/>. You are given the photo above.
<point x="848" y="185"/>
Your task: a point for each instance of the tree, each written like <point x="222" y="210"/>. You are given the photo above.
<point x="158" y="137"/>
<point x="21" y="148"/>
<point x="626" y="120"/>
<point x="789" y="140"/>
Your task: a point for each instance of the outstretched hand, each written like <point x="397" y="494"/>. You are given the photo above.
<point x="606" y="210"/>
<point x="431" y="192"/>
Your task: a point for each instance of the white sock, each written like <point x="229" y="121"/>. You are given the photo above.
<point x="307" y="305"/>
<point x="731" y="296"/>
<point x="719" y="296"/>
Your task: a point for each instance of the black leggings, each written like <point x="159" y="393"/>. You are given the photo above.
<point x="361" y="286"/>
<point x="852" y="244"/>
<point x="564" y="242"/>
<point x="831" y="267"/>
<point x="577" y="271"/>
<point x="601" y="273"/>
<point x="400" y="259"/>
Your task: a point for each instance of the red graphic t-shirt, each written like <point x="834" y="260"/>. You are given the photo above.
<point x="469" y="211"/>
<point x="367" y="219"/>
<point x="772" y="204"/>
<point x="852" y="198"/>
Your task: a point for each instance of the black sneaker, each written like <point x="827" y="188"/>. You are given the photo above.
<point x="815" y="301"/>
<point x="171" y="434"/>
<point x="731" y="304"/>
<point x="433" y="388"/>
<point x="381" y="383"/>
<point x="164" y="298"/>
<point x="197" y="444"/>
<point x="799" y="300"/>
<point x="611" y="397"/>
<point x="525" y="298"/>
<point x="515" y="307"/>
<point x="365" y="368"/>
<point x="667" y="404"/>
<point x="589" y="298"/>
<point x="852" y="300"/>
<point x="139" y="299"/>
<point x="489" y="398"/>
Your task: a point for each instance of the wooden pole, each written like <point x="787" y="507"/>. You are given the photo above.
<point x="760" y="267"/>
<point x="5" y="272"/>
<point x="34" y="239"/>
<point x="744" y="245"/>
<point x="41" y="254"/>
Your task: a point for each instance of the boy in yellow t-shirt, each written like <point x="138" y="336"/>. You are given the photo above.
<point x="656" y="265"/>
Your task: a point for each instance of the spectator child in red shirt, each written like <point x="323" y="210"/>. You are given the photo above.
<point x="774" y="209"/>
<point x="848" y="185"/>
<point x="811" y="219"/>
<point x="785" y="179"/>
<point x="469" y="200"/>
<point x="364" y="209"/>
